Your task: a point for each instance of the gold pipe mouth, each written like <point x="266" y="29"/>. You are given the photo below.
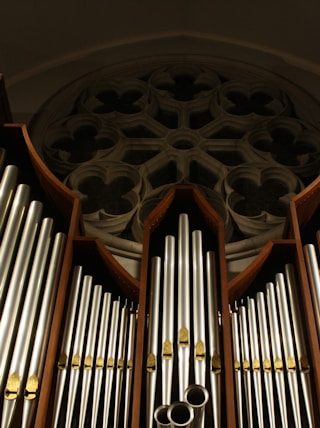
<point x="12" y="387"/>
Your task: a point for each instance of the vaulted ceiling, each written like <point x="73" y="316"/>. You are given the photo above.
<point x="44" y="45"/>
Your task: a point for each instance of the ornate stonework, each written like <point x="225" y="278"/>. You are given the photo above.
<point x="122" y="135"/>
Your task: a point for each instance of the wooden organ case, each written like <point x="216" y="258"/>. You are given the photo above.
<point x="214" y="363"/>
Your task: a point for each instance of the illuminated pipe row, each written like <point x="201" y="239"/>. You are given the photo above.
<point x="24" y="297"/>
<point x="166" y="285"/>
<point x="107" y="355"/>
<point x="279" y="302"/>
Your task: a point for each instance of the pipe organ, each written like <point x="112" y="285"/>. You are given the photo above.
<point x="85" y="344"/>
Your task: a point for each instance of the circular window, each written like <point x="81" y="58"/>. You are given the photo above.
<point x="121" y="136"/>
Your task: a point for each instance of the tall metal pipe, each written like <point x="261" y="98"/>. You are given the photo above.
<point x="168" y="319"/>
<point x="199" y="330"/>
<point x="255" y="359"/>
<point x="214" y="339"/>
<point x="287" y="342"/>
<point x="276" y="352"/>
<point x="10" y="315"/>
<point x="183" y="327"/>
<point x="23" y="340"/>
<point x="152" y="347"/>
<point x="77" y="352"/>
<point x="32" y="388"/>
<point x="65" y="350"/>
<point x="266" y="356"/>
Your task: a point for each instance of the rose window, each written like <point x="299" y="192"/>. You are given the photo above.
<point x="121" y="136"/>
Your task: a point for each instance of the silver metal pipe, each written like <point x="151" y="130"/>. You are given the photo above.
<point x="245" y="362"/>
<point x="214" y="339"/>
<point x="197" y="397"/>
<point x="152" y="347"/>
<point x="77" y="352"/>
<point x="199" y="330"/>
<point x="34" y="376"/>
<point x="65" y="349"/>
<point x="287" y="342"/>
<point x="111" y="355"/>
<point x="301" y="348"/>
<point x="161" y="416"/>
<point x="180" y="414"/>
<point x="129" y="367"/>
<point x="11" y="237"/>
<point x="120" y="363"/>
<point x="314" y="281"/>
<point x="100" y="356"/>
<point x="183" y="327"/>
<point x="7" y="188"/>
<point x="89" y="352"/>
<point x="255" y="359"/>
<point x="276" y="351"/>
<point x="237" y="364"/>
<point x="168" y="319"/>
<point x="266" y="356"/>
<point x="23" y="340"/>
<point x="10" y="316"/>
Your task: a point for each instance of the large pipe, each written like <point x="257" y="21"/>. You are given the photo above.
<point x="180" y="414"/>
<point x="168" y="319"/>
<point x="199" y="332"/>
<point x="197" y="397"/>
<point x="183" y="327"/>
<point x="153" y="327"/>
<point x="214" y="340"/>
